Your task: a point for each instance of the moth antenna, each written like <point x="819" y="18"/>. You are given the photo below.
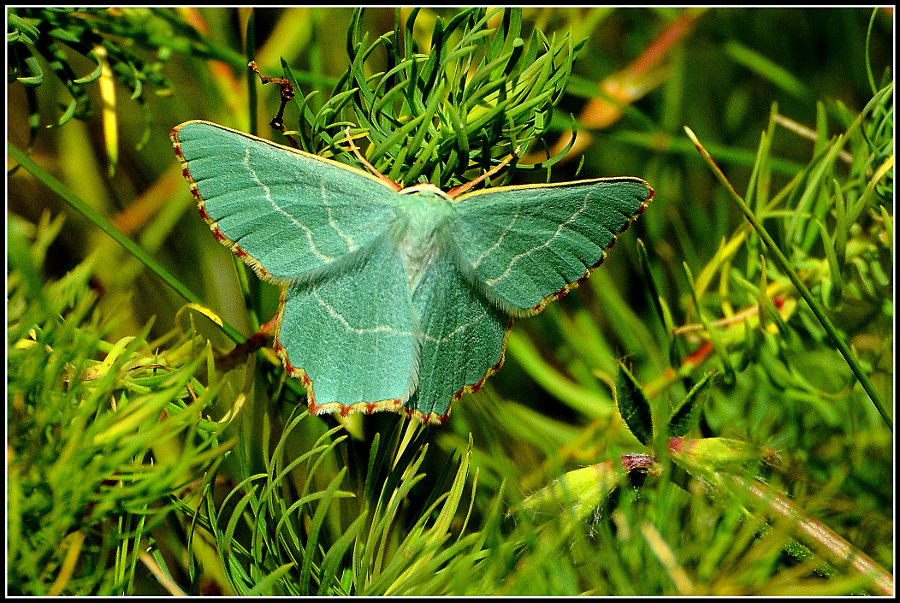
<point x="453" y="192"/>
<point x="371" y="167"/>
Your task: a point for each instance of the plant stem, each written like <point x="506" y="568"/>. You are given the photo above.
<point x="103" y="224"/>
<point x="805" y="293"/>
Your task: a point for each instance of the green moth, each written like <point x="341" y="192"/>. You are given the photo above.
<point x="396" y="300"/>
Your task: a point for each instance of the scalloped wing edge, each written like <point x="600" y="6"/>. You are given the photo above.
<point x="537" y="308"/>
<point x="397" y="405"/>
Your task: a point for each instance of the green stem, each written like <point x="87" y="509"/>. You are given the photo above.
<point x="819" y="534"/>
<point x="103" y="224"/>
<point x="251" y="297"/>
<point x="783" y="263"/>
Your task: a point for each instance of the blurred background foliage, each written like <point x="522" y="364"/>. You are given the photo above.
<point x="138" y="465"/>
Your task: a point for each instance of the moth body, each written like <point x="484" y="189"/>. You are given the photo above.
<point x="396" y="300"/>
<point x="424" y="231"/>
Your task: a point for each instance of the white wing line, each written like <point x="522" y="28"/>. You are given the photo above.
<point x="499" y="242"/>
<point x="309" y="234"/>
<point x="331" y="221"/>
<point x="340" y="318"/>
<point x="387" y="329"/>
<point x="458" y="329"/>
<point x="546" y="243"/>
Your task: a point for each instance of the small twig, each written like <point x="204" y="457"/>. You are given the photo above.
<point x="256" y="341"/>
<point x="805" y="132"/>
<point x="287" y="95"/>
<point x="817" y="533"/>
<point x="454" y="192"/>
<point x="365" y="161"/>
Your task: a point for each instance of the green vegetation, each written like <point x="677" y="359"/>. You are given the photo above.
<point x="710" y="413"/>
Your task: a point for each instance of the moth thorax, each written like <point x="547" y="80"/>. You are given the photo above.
<point x="425" y="235"/>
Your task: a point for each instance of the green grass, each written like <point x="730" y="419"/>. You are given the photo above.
<point x="742" y="327"/>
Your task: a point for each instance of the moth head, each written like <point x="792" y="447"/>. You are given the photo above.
<point x="425" y="190"/>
